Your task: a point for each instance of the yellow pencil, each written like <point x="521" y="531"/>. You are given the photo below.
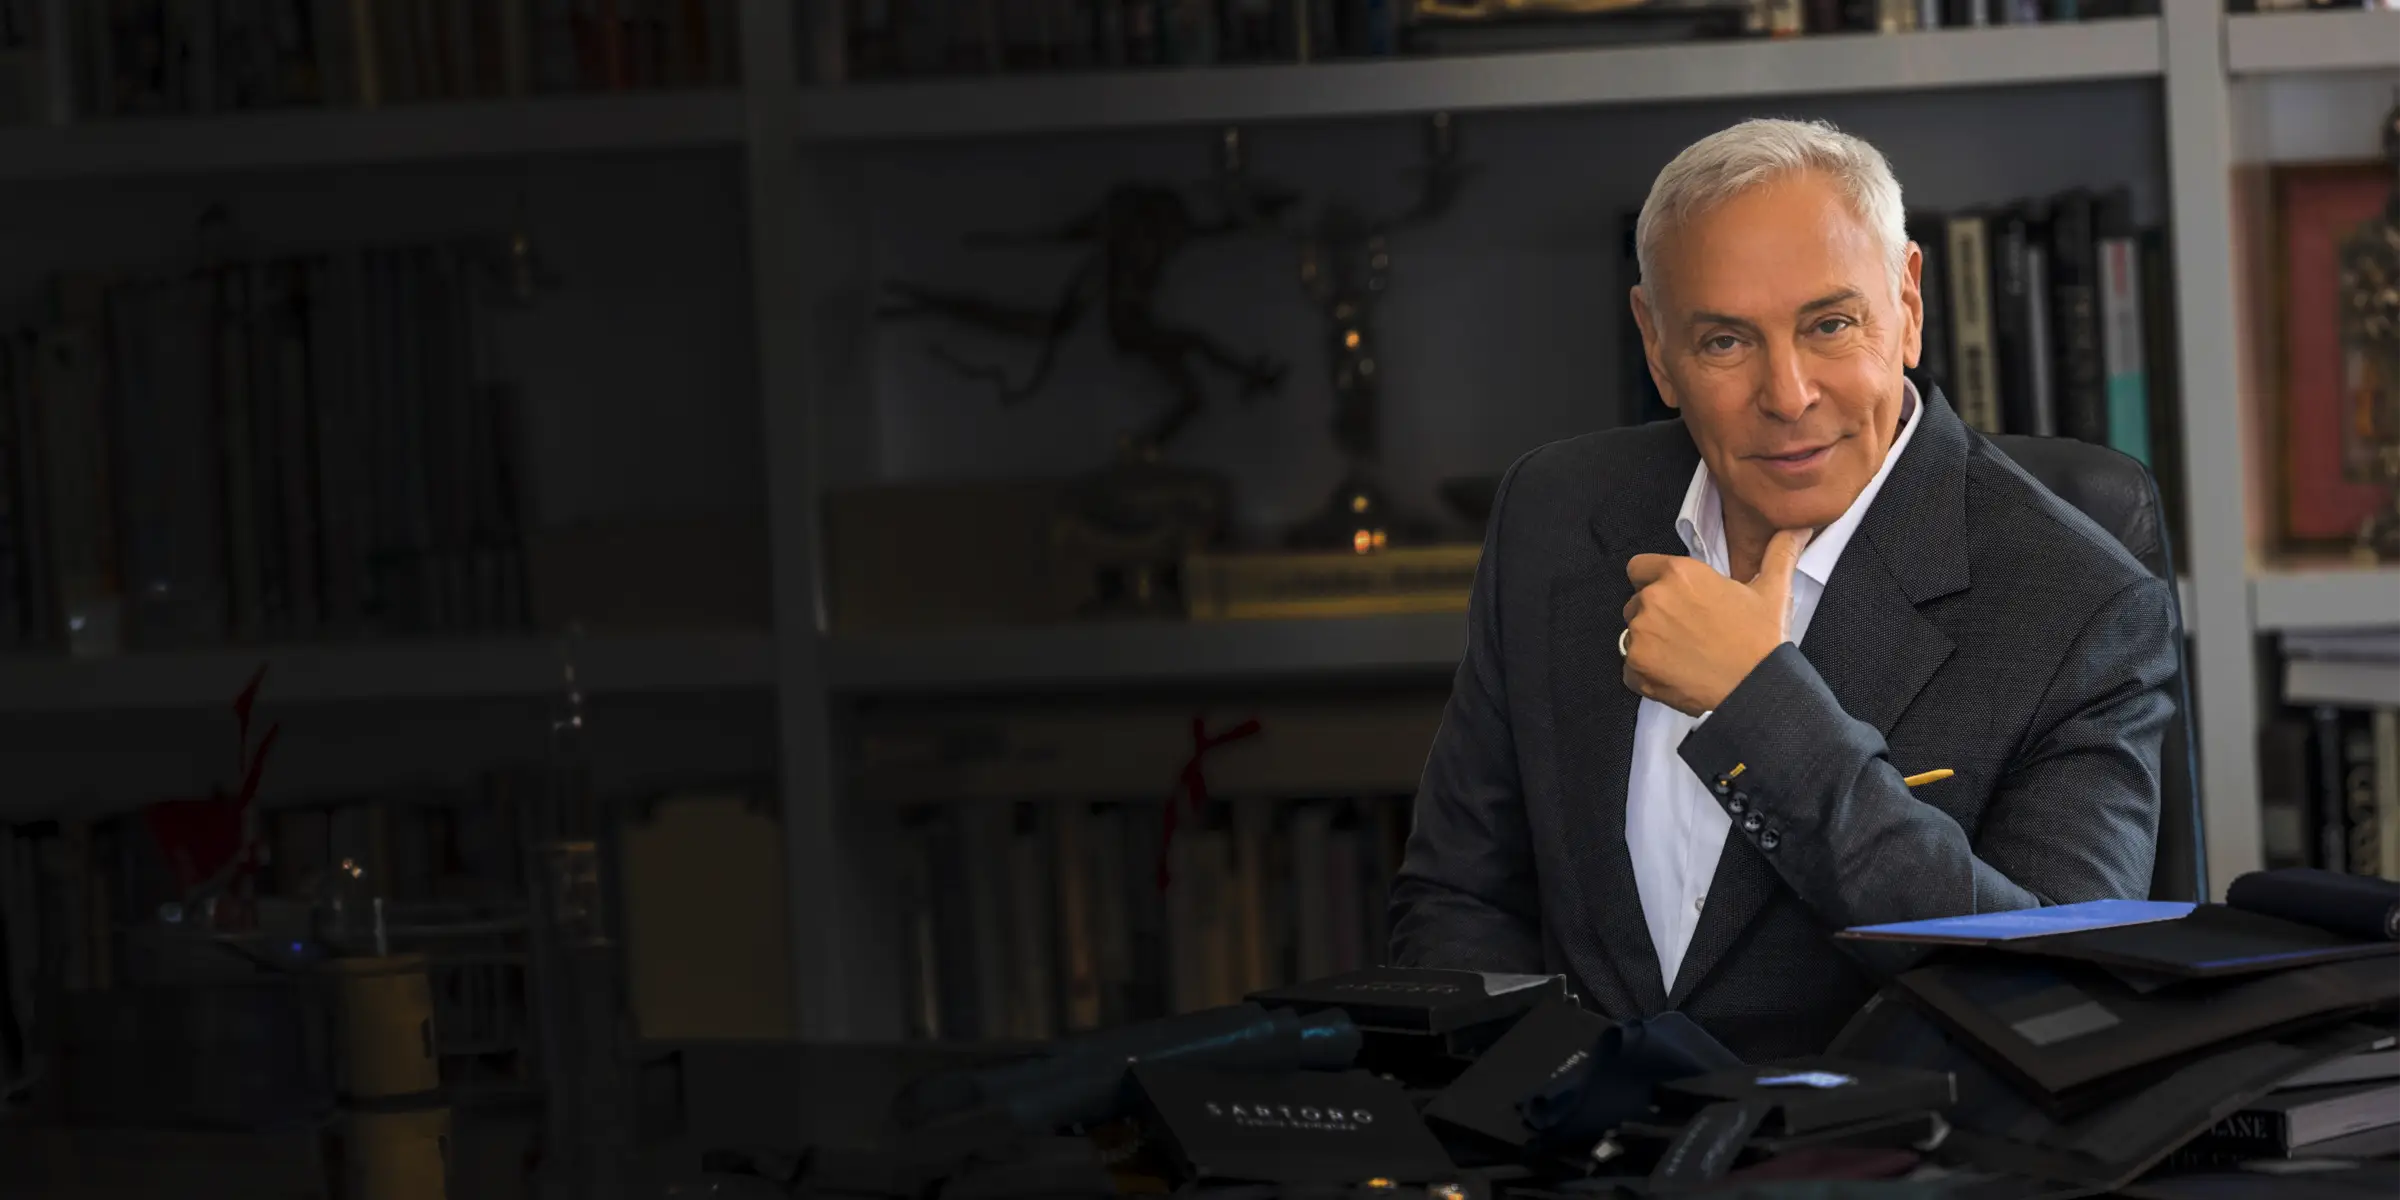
<point x="1928" y="777"/>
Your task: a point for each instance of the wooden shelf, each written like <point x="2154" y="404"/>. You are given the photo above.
<point x="1164" y="653"/>
<point x="360" y="137"/>
<point x="1719" y="70"/>
<point x="2330" y="597"/>
<point x="2300" y="43"/>
<point x="394" y="670"/>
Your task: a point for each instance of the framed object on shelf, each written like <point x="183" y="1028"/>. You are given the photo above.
<point x="2317" y="207"/>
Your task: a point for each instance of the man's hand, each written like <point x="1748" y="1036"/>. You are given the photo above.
<point x="1696" y="634"/>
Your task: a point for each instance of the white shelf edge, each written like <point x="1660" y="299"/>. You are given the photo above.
<point x="631" y="121"/>
<point x="1162" y="653"/>
<point x="395" y="670"/>
<point x="2326" y="598"/>
<point x="1716" y="70"/>
<point x="2341" y="684"/>
<point x="2299" y="43"/>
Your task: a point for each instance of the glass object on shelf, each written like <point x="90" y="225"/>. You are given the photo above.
<point x="2370" y="400"/>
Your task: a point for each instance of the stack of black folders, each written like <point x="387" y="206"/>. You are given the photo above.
<point x="1389" y="1084"/>
<point x="2159" y="1050"/>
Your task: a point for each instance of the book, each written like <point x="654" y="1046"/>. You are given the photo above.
<point x="1985" y="928"/>
<point x="2380" y="1061"/>
<point x="2289" y="1124"/>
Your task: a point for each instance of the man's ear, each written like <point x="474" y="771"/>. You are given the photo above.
<point x="1912" y="305"/>
<point x="1648" y="321"/>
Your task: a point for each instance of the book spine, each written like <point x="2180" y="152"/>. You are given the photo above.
<point x="2122" y="346"/>
<point x="2079" y="367"/>
<point x="1972" y="340"/>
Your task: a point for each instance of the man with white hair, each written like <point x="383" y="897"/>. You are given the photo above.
<point x="1705" y="655"/>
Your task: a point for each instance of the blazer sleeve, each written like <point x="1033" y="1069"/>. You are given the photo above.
<point x="1465" y="895"/>
<point x="2074" y="818"/>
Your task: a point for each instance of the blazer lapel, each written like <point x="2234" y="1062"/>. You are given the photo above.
<point x="1868" y="641"/>
<point x="1595" y="718"/>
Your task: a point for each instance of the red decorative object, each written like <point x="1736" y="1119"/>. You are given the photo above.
<point x="1191" y="781"/>
<point x="2318" y="205"/>
<point x="215" y="842"/>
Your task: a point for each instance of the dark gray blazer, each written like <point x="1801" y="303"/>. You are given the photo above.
<point x="1974" y="622"/>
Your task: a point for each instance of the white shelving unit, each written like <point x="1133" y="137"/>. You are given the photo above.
<point x="2326" y="598"/>
<point x="410" y="670"/>
<point x="2003" y="57"/>
<point x="2309" y="42"/>
<point x="2197" y="74"/>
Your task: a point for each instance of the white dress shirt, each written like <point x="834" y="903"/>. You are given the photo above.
<point x="1673" y="827"/>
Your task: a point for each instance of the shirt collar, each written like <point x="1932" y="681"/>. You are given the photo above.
<point x="1701" y="520"/>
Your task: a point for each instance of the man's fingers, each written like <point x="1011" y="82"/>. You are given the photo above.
<point x="1646" y="569"/>
<point x="1782" y="558"/>
<point x="1633" y="608"/>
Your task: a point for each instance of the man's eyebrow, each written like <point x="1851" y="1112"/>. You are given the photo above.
<point x="1844" y="296"/>
<point x="1829" y="300"/>
<point x="1704" y="317"/>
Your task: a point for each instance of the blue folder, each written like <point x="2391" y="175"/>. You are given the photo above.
<point x="2028" y="922"/>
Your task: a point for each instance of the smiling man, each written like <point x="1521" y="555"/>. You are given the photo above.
<point x="1705" y="655"/>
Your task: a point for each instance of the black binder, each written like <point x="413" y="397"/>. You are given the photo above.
<point x="2058" y="1027"/>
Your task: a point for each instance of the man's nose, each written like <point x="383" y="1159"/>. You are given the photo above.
<point x="1786" y="394"/>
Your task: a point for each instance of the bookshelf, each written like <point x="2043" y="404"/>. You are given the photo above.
<point x="328" y="139"/>
<point x="1825" y="65"/>
<point x="2177" y="103"/>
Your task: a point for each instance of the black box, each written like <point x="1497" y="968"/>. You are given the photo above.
<point x="1485" y="1099"/>
<point x="1287" y="1127"/>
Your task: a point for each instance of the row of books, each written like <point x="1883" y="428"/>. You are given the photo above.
<point x="2329" y="792"/>
<point x="65" y="59"/>
<point x="272" y="450"/>
<point x="876" y="39"/>
<point x="1027" y="919"/>
<point x="2052" y="317"/>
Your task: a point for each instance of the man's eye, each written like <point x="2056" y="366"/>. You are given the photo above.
<point x="1723" y="343"/>
<point x="1833" y="325"/>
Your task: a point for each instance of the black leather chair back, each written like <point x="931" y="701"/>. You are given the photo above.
<point x="2117" y="493"/>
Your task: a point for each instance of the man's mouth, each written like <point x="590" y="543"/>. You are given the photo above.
<point x="1795" y="460"/>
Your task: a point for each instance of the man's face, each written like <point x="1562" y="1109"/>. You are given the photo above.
<point x="1780" y="335"/>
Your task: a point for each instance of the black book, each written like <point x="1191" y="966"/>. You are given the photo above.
<point x="1287" y="1127"/>
<point x="1808" y="1095"/>
<point x="1410" y="1000"/>
<point x="1487" y="1098"/>
<point x="2013" y="352"/>
<point x="2079" y="375"/>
